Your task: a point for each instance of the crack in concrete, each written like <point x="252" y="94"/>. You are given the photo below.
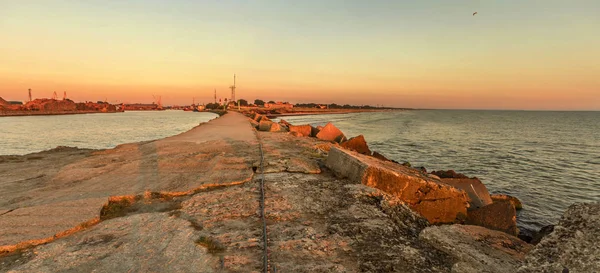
<point x="122" y="206"/>
<point x="8" y="211"/>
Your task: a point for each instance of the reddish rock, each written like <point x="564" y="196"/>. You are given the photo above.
<point x="258" y="117"/>
<point x="254" y="123"/>
<point x="331" y="133"/>
<point x="303" y="130"/>
<point x="477" y="192"/>
<point x="449" y="174"/>
<point x="265" y="125"/>
<point x="276" y="127"/>
<point x="357" y="144"/>
<point x="284" y="122"/>
<point x="434" y="200"/>
<point x="500" y="216"/>
<point x="503" y="197"/>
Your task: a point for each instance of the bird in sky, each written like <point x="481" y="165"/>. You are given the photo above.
<point x="474" y="13"/>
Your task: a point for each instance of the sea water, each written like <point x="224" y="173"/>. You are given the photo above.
<point x="28" y="134"/>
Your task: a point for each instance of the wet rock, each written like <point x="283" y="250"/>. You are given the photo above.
<point x="503" y="197"/>
<point x="477" y="249"/>
<point x="357" y="144"/>
<point x="572" y="246"/>
<point x="434" y="200"/>
<point x="499" y="216"/>
<point x="478" y="193"/>
<point x="331" y="133"/>
<point x="449" y="174"/>
<point x="302" y="130"/>
<point x="543" y="232"/>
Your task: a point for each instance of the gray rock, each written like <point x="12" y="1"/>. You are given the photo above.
<point x="572" y="246"/>
<point x="477" y="249"/>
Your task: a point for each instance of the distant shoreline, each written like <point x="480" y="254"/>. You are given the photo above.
<point x="308" y="111"/>
<point x="49" y="113"/>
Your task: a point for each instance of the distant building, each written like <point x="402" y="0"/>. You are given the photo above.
<point x="279" y="105"/>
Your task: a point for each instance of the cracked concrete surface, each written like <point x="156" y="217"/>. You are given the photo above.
<point x="64" y="188"/>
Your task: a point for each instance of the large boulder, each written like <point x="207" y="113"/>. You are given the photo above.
<point x="434" y="200"/>
<point x="258" y="117"/>
<point x="357" y="144"/>
<point x="276" y="127"/>
<point x="303" y="130"/>
<point x="331" y="133"/>
<point x="499" y="216"/>
<point x="265" y="125"/>
<point x="478" y="193"/>
<point x="572" y="246"/>
<point x="477" y="249"/>
<point x="503" y="197"/>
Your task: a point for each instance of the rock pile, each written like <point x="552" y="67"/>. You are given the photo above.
<point x="572" y="246"/>
<point x="483" y="237"/>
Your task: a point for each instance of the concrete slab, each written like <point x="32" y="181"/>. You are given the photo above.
<point x="436" y="201"/>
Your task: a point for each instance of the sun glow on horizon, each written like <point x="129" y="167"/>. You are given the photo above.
<point x="429" y="54"/>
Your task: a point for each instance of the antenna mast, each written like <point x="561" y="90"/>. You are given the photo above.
<point x="233" y="89"/>
<point x="30" y="94"/>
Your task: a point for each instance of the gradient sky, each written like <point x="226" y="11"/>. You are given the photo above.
<point x="515" y="54"/>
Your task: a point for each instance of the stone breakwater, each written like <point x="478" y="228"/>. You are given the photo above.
<point x="190" y="203"/>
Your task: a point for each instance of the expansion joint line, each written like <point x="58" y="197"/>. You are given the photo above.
<point x="262" y="207"/>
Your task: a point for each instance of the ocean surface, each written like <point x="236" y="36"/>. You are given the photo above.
<point x="29" y="134"/>
<point x="548" y="160"/>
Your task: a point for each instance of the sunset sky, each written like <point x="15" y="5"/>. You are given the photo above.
<point x="514" y="54"/>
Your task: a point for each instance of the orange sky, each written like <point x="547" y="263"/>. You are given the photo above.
<point x="431" y="54"/>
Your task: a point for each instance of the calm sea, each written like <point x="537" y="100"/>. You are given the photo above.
<point x="549" y="160"/>
<point x="28" y="134"/>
